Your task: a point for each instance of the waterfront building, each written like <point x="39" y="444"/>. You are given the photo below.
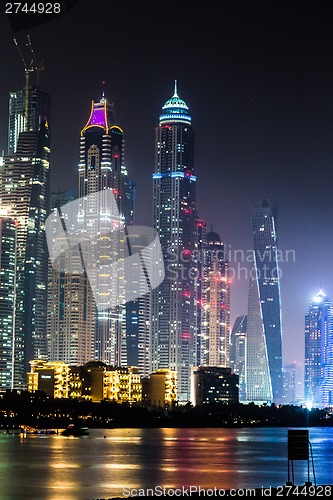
<point x="264" y="330"/>
<point x="102" y="168"/>
<point x="94" y="381"/>
<point x="214" y="384"/>
<point x="25" y="193"/>
<point x="238" y="352"/>
<point x="318" y="365"/>
<point x="215" y="326"/>
<point x="52" y="377"/>
<point x="174" y="302"/>
<point x="7" y="299"/>
<point x="159" y="389"/>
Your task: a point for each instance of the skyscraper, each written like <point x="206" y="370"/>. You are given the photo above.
<point x="7" y="299"/>
<point x="318" y="367"/>
<point x="201" y="288"/>
<point x="138" y="317"/>
<point x="174" y="302"/>
<point x="102" y="168"/>
<point x="25" y="193"/>
<point x="26" y="112"/>
<point x="264" y="330"/>
<point x="71" y="308"/>
<point x="215" y="330"/>
<point x="238" y="352"/>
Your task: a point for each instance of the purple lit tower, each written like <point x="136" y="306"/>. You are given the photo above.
<point x="101" y="168"/>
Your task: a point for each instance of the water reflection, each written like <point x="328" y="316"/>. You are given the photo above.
<point x="102" y="464"/>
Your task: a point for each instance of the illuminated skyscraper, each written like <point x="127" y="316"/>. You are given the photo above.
<point x="318" y="367"/>
<point x="71" y="308"/>
<point x="7" y="299"/>
<point x="102" y="168"/>
<point x="215" y="329"/>
<point x="37" y="105"/>
<point x="201" y="288"/>
<point x="264" y="331"/>
<point x="174" y="304"/>
<point x="25" y="193"/>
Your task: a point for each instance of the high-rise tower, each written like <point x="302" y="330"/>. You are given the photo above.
<point x="215" y="330"/>
<point x="318" y="367"/>
<point x="25" y="192"/>
<point x="102" y="168"/>
<point x="264" y="332"/>
<point x="37" y="103"/>
<point x="7" y="299"/>
<point x="71" y="308"/>
<point x="238" y="352"/>
<point x="174" y="302"/>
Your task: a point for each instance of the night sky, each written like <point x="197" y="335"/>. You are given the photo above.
<point x="258" y="78"/>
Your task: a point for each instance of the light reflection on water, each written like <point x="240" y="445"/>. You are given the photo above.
<point x="102" y="464"/>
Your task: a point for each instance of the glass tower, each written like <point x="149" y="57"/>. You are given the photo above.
<point x="174" y="302"/>
<point x="37" y="105"/>
<point x="318" y="367"/>
<point x="25" y="193"/>
<point x="7" y="299"/>
<point x="264" y="332"/>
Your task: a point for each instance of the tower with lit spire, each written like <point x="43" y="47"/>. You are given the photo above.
<point x="174" y="302"/>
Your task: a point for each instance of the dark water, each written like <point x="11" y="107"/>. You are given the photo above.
<point x="91" y="467"/>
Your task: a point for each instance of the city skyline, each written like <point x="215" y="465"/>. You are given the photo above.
<point x="256" y="132"/>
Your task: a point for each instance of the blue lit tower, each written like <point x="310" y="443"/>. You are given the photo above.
<point x="318" y="367"/>
<point x="264" y="332"/>
<point x="174" y="302"/>
<point x="102" y="168"/>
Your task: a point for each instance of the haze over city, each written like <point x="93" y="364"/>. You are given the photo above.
<point x="257" y="79"/>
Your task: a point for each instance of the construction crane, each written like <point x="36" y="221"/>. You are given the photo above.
<point x="32" y="67"/>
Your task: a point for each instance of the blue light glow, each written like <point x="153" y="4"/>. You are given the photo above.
<point x="177" y="174"/>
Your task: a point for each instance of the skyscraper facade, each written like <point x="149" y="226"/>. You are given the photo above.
<point x="26" y="112"/>
<point x="102" y="168"/>
<point x="215" y="329"/>
<point x="174" y="302"/>
<point x="201" y="289"/>
<point x="71" y="307"/>
<point x="7" y="299"/>
<point x="25" y="193"/>
<point x="318" y="366"/>
<point x="238" y="352"/>
<point x="264" y="330"/>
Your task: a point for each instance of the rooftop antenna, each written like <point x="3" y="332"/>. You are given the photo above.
<point x="175" y="90"/>
<point x="30" y="67"/>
